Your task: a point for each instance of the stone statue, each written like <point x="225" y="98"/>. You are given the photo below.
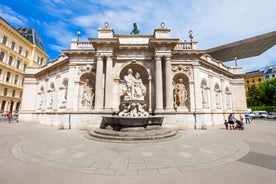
<point x="133" y="110"/>
<point x="135" y="29"/>
<point x="204" y="97"/>
<point x="139" y="87"/>
<point x="87" y="95"/>
<point x="134" y="88"/>
<point x="180" y="94"/>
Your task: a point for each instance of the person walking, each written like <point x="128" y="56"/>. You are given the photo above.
<point x="247" y="118"/>
<point x="9" y="116"/>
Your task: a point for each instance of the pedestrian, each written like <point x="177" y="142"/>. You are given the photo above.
<point x="241" y="117"/>
<point x="226" y="124"/>
<point x="231" y="121"/>
<point x="247" y="119"/>
<point x="9" y="116"/>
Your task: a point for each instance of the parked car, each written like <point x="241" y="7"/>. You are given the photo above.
<point x="251" y="115"/>
<point x="260" y="114"/>
<point x="271" y="116"/>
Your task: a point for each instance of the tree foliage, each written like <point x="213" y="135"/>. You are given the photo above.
<point x="264" y="94"/>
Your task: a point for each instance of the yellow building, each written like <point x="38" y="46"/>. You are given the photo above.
<point x="19" y="48"/>
<point x="253" y="78"/>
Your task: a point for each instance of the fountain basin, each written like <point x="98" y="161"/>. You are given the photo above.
<point x="119" y="122"/>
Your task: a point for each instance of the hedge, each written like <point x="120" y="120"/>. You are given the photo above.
<point x="263" y="108"/>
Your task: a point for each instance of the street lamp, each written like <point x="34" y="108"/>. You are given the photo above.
<point x="191" y="37"/>
<point x="106" y="25"/>
<point x="236" y="61"/>
<point x="78" y="33"/>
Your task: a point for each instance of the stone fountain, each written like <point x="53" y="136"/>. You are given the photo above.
<point x="133" y="107"/>
<point x="133" y="122"/>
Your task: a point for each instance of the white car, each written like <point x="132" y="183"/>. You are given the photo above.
<point x="271" y="116"/>
<point x="251" y="115"/>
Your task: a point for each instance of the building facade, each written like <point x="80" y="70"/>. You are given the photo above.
<point x="16" y="53"/>
<point x="253" y="78"/>
<point x="172" y="78"/>
<point x="270" y="72"/>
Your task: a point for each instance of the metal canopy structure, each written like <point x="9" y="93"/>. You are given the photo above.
<point x="246" y="48"/>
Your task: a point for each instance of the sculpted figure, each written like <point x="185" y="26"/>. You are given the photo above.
<point x="134" y="88"/>
<point x="129" y="80"/>
<point x="139" y="87"/>
<point x="180" y="94"/>
<point x="141" y="110"/>
<point x="87" y="95"/>
<point x="135" y="29"/>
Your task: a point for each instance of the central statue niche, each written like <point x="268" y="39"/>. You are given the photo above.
<point x="134" y="100"/>
<point x="133" y="95"/>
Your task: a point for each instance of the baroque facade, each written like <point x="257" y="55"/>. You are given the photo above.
<point x="171" y="78"/>
<point x="16" y="53"/>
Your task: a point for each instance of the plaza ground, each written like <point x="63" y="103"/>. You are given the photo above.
<point x="34" y="153"/>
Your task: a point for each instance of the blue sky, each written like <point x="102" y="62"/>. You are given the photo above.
<point x="214" y="22"/>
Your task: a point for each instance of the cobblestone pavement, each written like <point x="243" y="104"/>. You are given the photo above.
<point x="33" y="153"/>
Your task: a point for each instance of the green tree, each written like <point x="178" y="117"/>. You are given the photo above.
<point x="267" y="92"/>
<point x="253" y="96"/>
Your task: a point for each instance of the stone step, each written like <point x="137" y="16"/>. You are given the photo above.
<point x="132" y="136"/>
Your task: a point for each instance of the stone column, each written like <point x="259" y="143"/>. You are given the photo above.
<point x="158" y="84"/>
<point x="56" y="91"/>
<point x="108" y="83"/>
<point x="71" y="82"/>
<point x="169" y="89"/>
<point x="212" y="93"/>
<point x="99" y="84"/>
<point x="150" y="104"/>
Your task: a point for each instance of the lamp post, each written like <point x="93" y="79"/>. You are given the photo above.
<point x="106" y="25"/>
<point x="191" y="37"/>
<point x="78" y="33"/>
<point x="236" y="64"/>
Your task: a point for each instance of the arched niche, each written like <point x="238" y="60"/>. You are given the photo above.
<point x="144" y="76"/>
<point x="186" y="83"/>
<point x="87" y="90"/>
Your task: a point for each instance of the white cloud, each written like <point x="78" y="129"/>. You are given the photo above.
<point x="11" y="16"/>
<point x="214" y="22"/>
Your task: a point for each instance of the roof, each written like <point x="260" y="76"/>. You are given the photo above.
<point x="31" y="35"/>
<point x="246" y="48"/>
<point x="254" y="74"/>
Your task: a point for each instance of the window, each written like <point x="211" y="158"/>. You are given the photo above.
<point x="253" y="80"/>
<point x="5" y="91"/>
<point x="260" y="80"/>
<point x="17" y="107"/>
<point x="20" y="94"/>
<point x="3" y="106"/>
<point x="247" y="81"/>
<point x="24" y="68"/>
<point x="4" y="41"/>
<point x="13" y="45"/>
<point x="273" y="75"/>
<point x="8" y="76"/>
<point x="266" y="76"/>
<point x="2" y="54"/>
<point x="22" y="81"/>
<point x="10" y="60"/>
<point x="26" y="54"/>
<point x="13" y="93"/>
<point x="20" y="50"/>
<point x="15" y="79"/>
<point x="41" y="60"/>
<point x="18" y="64"/>
<point x="38" y="59"/>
